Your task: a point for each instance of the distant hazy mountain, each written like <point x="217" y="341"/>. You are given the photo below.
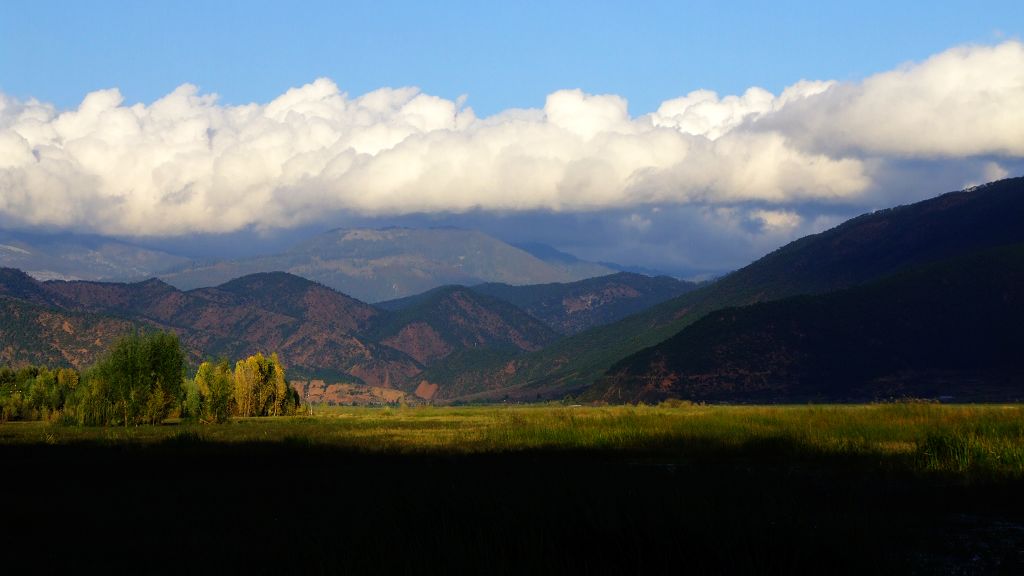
<point x="864" y="249"/>
<point x="376" y="265"/>
<point x="70" y="257"/>
<point x="952" y="328"/>
<point x="556" y="257"/>
<point x="567" y="262"/>
<point x="372" y="265"/>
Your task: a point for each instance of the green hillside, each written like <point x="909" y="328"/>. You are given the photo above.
<point x="952" y="328"/>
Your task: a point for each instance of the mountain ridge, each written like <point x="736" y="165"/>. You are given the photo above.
<point x="81" y="257"/>
<point x="859" y="250"/>
<point x="571" y="307"/>
<point x="575" y="307"/>
<point x="948" y="328"/>
<point x="319" y="331"/>
<point x="374" y="265"/>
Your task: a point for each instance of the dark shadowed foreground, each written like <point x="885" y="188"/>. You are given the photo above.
<point x="539" y="490"/>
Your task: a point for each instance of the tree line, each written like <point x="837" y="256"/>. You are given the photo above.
<point x="142" y="379"/>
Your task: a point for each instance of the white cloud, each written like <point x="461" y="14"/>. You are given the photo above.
<point x="986" y="172"/>
<point x="965" y="101"/>
<point x="993" y="171"/>
<point x="186" y="163"/>
<point x="703" y="113"/>
<point x="775" y="221"/>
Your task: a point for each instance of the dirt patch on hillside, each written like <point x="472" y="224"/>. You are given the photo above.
<point x="420" y="341"/>
<point x="321" y="392"/>
<point x="426" y="390"/>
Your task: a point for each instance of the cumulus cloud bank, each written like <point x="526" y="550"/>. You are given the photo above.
<point x="188" y="164"/>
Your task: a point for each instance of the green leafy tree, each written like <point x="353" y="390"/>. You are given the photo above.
<point x="220" y="392"/>
<point x="93" y="405"/>
<point x="139" y="380"/>
<point x="156" y="405"/>
<point x="44" y="397"/>
<point x="12" y="406"/>
<point x="214" y="391"/>
<point x="67" y="384"/>
<point x="192" y="404"/>
<point x="7" y="378"/>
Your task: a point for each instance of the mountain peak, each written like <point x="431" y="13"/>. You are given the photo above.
<point x="546" y="252"/>
<point x="155" y="283"/>
<point x="14" y="275"/>
<point x="262" y="280"/>
<point x="382" y="264"/>
<point x="18" y="284"/>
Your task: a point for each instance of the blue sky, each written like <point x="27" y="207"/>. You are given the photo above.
<point x="500" y="54"/>
<point x="679" y="136"/>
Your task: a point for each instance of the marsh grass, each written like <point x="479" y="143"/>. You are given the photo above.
<point x="962" y="440"/>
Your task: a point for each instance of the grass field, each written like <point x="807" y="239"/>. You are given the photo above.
<point x="887" y="488"/>
<point x="962" y="440"/>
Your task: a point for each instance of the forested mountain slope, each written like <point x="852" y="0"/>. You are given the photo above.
<point x="953" y="328"/>
<point x="317" y="331"/>
<point x="860" y="250"/>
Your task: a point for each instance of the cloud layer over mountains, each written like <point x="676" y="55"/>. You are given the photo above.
<point x="186" y="164"/>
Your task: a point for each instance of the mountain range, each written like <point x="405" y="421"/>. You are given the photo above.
<point x="319" y="332"/>
<point x="947" y="329"/>
<point x="862" y="250"/>
<point x="376" y="265"/>
<point x="923" y="299"/>
<point x="370" y="264"/>
<point x="577" y="306"/>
